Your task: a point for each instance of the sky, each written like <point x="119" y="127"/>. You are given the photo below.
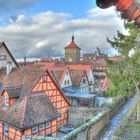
<point x="42" y="28"/>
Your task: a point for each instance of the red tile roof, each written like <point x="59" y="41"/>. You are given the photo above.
<point x="87" y="68"/>
<point x="58" y="75"/>
<point x="25" y="77"/>
<point x="72" y="44"/>
<point x="77" y="76"/>
<point x="130" y="9"/>
<point x="33" y="110"/>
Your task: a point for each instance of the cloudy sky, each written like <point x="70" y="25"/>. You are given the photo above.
<point x="42" y="28"/>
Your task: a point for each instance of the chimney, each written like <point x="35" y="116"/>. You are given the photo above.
<point x="25" y="61"/>
<point x="9" y="67"/>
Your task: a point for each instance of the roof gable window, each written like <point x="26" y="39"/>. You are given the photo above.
<point x="5" y="129"/>
<point x="6" y="101"/>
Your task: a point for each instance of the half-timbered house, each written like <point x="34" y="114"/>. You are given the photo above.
<point x="31" y="103"/>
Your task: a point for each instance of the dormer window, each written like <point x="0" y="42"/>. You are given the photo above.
<point x="6" y="101"/>
<point x="5" y="129"/>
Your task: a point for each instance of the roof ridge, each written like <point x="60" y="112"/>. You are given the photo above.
<point x="24" y="105"/>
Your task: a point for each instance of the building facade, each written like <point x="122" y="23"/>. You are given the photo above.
<point x="72" y="52"/>
<point x="6" y="57"/>
<point x="31" y="103"/>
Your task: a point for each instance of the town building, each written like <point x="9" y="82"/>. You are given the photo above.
<point x="89" y="73"/>
<point x="72" y="52"/>
<point x="62" y="76"/>
<point x="6" y="58"/>
<point x="31" y="103"/>
<point x="80" y="80"/>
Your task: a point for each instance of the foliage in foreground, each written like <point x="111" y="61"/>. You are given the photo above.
<point x="125" y="74"/>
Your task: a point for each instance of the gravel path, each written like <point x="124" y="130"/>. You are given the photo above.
<point x="117" y="119"/>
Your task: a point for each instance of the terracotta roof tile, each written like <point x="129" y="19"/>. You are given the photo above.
<point x="87" y="68"/>
<point x="72" y="44"/>
<point x="130" y="9"/>
<point x="77" y="76"/>
<point x="58" y="74"/>
<point x="2" y="73"/>
<point x="25" y="77"/>
<point x="31" y="111"/>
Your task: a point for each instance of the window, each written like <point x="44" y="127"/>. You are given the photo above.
<point x="65" y="82"/>
<point x="5" y="129"/>
<point x="68" y="82"/>
<point x="48" y="124"/>
<point x="44" y="78"/>
<point x="6" y="101"/>
<point x="2" y="57"/>
<point x="41" y="127"/>
<point x="84" y="81"/>
<point x="67" y="73"/>
<point x="34" y="130"/>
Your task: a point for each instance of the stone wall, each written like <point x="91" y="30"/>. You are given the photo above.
<point x="115" y="108"/>
<point x="86" y="131"/>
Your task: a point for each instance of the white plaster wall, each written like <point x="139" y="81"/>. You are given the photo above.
<point x="66" y="78"/>
<point x="91" y="77"/>
<point x="3" y="63"/>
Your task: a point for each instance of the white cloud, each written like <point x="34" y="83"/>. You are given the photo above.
<point x="48" y="33"/>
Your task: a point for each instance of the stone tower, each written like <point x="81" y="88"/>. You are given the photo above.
<point x="72" y="52"/>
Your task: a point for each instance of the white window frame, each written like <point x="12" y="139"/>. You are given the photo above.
<point x="48" y="124"/>
<point x="6" y="101"/>
<point x="41" y="127"/>
<point x="36" y="130"/>
<point x="5" y="129"/>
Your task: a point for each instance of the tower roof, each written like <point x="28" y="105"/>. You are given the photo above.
<point x="72" y="44"/>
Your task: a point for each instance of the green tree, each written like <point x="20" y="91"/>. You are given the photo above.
<point x="125" y="74"/>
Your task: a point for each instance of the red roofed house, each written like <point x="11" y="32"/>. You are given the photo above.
<point x="62" y="76"/>
<point x="80" y="80"/>
<point x="89" y="73"/>
<point x="72" y="52"/>
<point x="31" y="103"/>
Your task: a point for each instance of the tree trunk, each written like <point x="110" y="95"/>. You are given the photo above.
<point x="138" y="111"/>
<point x="138" y="104"/>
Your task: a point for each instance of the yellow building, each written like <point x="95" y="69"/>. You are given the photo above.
<point x="72" y="52"/>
